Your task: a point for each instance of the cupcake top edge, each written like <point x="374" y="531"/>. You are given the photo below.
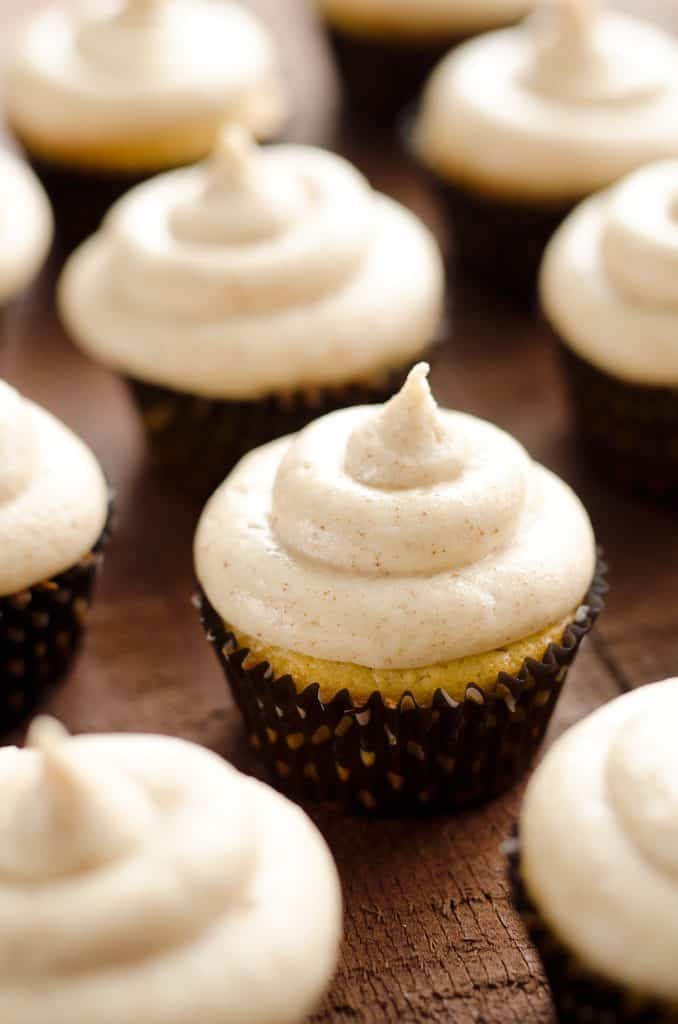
<point x="26" y="226"/>
<point x="254" y="273"/>
<point x="553" y="109"/>
<point x="158" y="877"/>
<point x="394" y="536"/>
<point x="608" y="279"/>
<point x="53" y="495"/>
<point x="85" y="76"/>
<point x="410" y="19"/>
<point x="599" y="841"/>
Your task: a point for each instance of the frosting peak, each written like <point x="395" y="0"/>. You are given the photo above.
<point x="407" y="443"/>
<point x="138" y="35"/>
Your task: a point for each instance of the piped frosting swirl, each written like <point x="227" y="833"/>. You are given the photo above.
<point x="394" y="536"/>
<point x="149" y="856"/>
<point x="564" y="104"/>
<point x="98" y="81"/>
<point x="608" y="283"/>
<point x="614" y="903"/>
<point x="255" y="272"/>
<point x="53" y="495"/>
<point x="26" y="226"/>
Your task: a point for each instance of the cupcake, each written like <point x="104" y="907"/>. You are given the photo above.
<point x="25" y="228"/>
<point x="102" y="95"/>
<point x="54" y="510"/>
<point x="518" y="126"/>
<point x="595" y="868"/>
<point x="385" y="50"/>
<point x="144" y="879"/>
<point x="245" y="296"/>
<point x="395" y="595"/>
<point x="608" y="290"/>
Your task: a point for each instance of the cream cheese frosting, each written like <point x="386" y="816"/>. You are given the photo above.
<point x="599" y="840"/>
<point x="25" y="226"/>
<point x="259" y="271"/>
<point x="608" y="281"/>
<point x="119" y="69"/>
<point x="53" y="495"/>
<point x="143" y="878"/>
<point x="412" y="18"/>
<point x="553" y="109"/>
<point x="394" y="536"/>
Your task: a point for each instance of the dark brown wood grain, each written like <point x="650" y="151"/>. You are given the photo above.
<point x="430" y="934"/>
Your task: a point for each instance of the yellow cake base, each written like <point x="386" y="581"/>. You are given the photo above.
<point x="451" y="676"/>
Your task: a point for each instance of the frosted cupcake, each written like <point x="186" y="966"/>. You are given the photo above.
<point x="249" y="294"/>
<point x="385" y="49"/>
<point x="54" y="507"/>
<point x="25" y="228"/>
<point x="101" y="95"/>
<point x="608" y="289"/>
<point x="396" y="594"/>
<point x="518" y="126"/>
<point x="595" y="869"/>
<point x="145" y="879"/>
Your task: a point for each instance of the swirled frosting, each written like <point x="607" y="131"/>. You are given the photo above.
<point x="25" y="226"/>
<point x="608" y="281"/>
<point x="555" y="108"/>
<point x="261" y="270"/>
<point x="83" y="76"/>
<point x="599" y="840"/>
<point x="394" y="536"/>
<point x="416" y="18"/>
<point x="144" y="878"/>
<point x="53" y="496"/>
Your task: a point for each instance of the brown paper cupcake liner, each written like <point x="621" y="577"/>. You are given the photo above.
<point x="580" y="995"/>
<point x="40" y="630"/>
<point x="410" y="758"/>
<point x="629" y="431"/>
<point x="499" y="243"/>
<point x="197" y="441"/>
<point x="380" y="77"/>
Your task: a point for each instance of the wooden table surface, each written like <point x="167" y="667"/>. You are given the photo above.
<point x="430" y="933"/>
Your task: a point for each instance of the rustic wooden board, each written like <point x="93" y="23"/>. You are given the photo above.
<point x="430" y="934"/>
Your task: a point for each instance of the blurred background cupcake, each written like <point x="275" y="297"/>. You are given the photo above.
<point x="25" y="229"/>
<point x="54" y="519"/>
<point x="595" y="868"/>
<point x="247" y="295"/>
<point x="395" y="595"/>
<point x="103" y="94"/>
<point x="609" y="290"/>
<point x="384" y="49"/>
<point x="519" y="125"/>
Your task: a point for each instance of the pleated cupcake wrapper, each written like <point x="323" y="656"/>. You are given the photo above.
<point x="412" y="758"/>
<point x="197" y="441"/>
<point x="81" y="197"/>
<point x="380" y="77"/>
<point x="498" y="243"/>
<point x="40" y="629"/>
<point x="630" y="431"/>
<point x="580" y="995"/>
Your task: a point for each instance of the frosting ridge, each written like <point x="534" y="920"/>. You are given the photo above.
<point x="393" y="536"/>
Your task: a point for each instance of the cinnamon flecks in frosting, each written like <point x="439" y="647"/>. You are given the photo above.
<point x="555" y="108"/>
<point x="53" y="496"/>
<point x="609" y="787"/>
<point x="25" y="226"/>
<point x="421" y="18"/>
<point x="394" y="536"/>
<point x="138" y="881"/>
<point x="608" y="282"/>
<point x="261" y="270"/>
<point x="84" y="77"/>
